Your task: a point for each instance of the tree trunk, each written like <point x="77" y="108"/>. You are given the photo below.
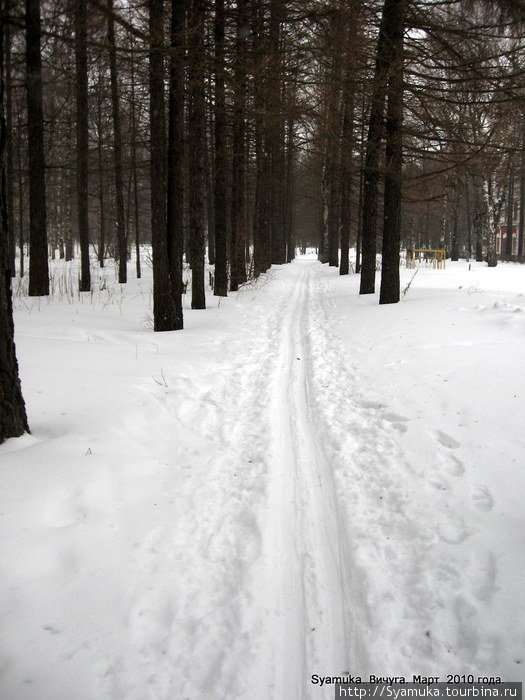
<point x="510" y="214"/>
<point x="82" y="142"/>
<point x="373" y="147"/>
<point x="164" y="318"/>
<point x="347" y="147"/>
<point x="101" y="185"/>
<point x="38" y="265"/>
<point x="9" y="126"/>
<point x="13" y="419"/>
<point x="21" y="223"/>
<point x="521" y="225"/>
<point x="454" y="248"/>
<point x="197" y="143"/>
<point x="289" y="190"/>
<point x="275" y="133"/>
<point x="238" y="238"/>
<point x="175" y="204"/>
<point x="261" y="218"/>
<point x="136" y="211"/>
<point x="117" y="150"/>
<point x="389" y="293"/>
<point x="221" y="242"/>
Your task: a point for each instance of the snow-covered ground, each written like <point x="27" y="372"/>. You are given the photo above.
<point x="301" y="482"/>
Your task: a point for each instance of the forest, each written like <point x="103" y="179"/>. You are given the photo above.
<point x="263" y="264"/>
<point x="232" y="133"/>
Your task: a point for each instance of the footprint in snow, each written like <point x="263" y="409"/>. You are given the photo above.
<point x="398" y="421"/>
<point x="481" y="499"/>
<point x="454" y="466"/>
<point x="453" y="531"/>
<point x="372" y="404"/>
<point x="447" y="440"/>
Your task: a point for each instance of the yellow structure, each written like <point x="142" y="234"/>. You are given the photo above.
<point x="426" y="256"/>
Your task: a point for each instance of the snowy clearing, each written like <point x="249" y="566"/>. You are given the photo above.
<point x="301" y="482"/>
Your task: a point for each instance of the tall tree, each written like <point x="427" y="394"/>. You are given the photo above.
<point x="164" y="317"/>
<point x="197" y="144"/>
<point x="347" y="136"/>
<point x="238" y="242"/>
<point x="219" y="192"/>
<point x="117" y="150"/>
<point x="175" y="183"/>
<point x="262" y="234"/>
<point x="38" y="265"/>
<point x="82" y="141"/>
<point x="13" y="419"/>
<point x="371" y="174"/>
<point x="389" y="292"/>
<point x="9" y="126"/>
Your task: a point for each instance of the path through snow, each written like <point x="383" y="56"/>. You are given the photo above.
<point x="252" y="511"/>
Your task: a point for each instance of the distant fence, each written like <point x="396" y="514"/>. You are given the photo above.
<point x="426" y="256"/>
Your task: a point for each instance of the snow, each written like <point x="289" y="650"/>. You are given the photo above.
<point x="301" y="482"/>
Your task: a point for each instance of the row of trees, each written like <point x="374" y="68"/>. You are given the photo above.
<point x="239" y="130"/>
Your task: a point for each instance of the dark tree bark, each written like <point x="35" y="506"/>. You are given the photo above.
<point x="82" y="141"/>
<point x="238" y="237"/>
<point x="221" y="242"/>
<point x="521" y="225"/>
<point x="21" y="217"/>
<point x="389" y="293"/>
<point x="136" y="211"/>
<point x="175" y="204"/>
<point x="333" y="149"/>
<point x="164" y="317"/>
<point x="38" y="266"/>
<point x="479" y="217"/>
<point x="117" y="150"/>
<point x="261" y="219"/>
<point x="454" y="248"/>
<point x="9" y="148"/>
<point x="373" y="147"/>
<point x="197" y="143"/>
<point x="13" y="419"/>
<point x="468" y="214"/>
<point x="510" y="213"/>
<point x="289" y="190"/>
<point x="275" y="132"/>
<point x="347" y="141"/>
<point x="101" y="184"/>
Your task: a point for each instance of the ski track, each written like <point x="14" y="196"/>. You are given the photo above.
<point x="300" y="508"/>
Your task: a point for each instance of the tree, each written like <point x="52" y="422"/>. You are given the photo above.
<point x="38" y="265"/>
<point x="164" y="317"/>
<point x="197" y="144"/>
<point x="238" y="243"/>
<point x="219" y="189"/>
<point x="117" y="149"/>
<point x="389" y="292"/>
<point x="82" y="142"/>
<point x="13" y="419"/>
<point x="175" y="184"/>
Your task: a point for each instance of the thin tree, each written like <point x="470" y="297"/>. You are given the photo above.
<point x="238" y="242"/>
<point x="221" y="242"/>
<point x="13" y="419"/>
<point x="38" y="265"/>
<point x="82" y="129"/>
<point x="197" y="144"/>
<point x="175" y="204"/>
<point x="117" y="149"/>
<point x="347" y="137"/>
<point x="389" y="292"/>
<point x="164" y="317"/>
<point x="371" y="174"/>
<point x="9" y="126"/>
